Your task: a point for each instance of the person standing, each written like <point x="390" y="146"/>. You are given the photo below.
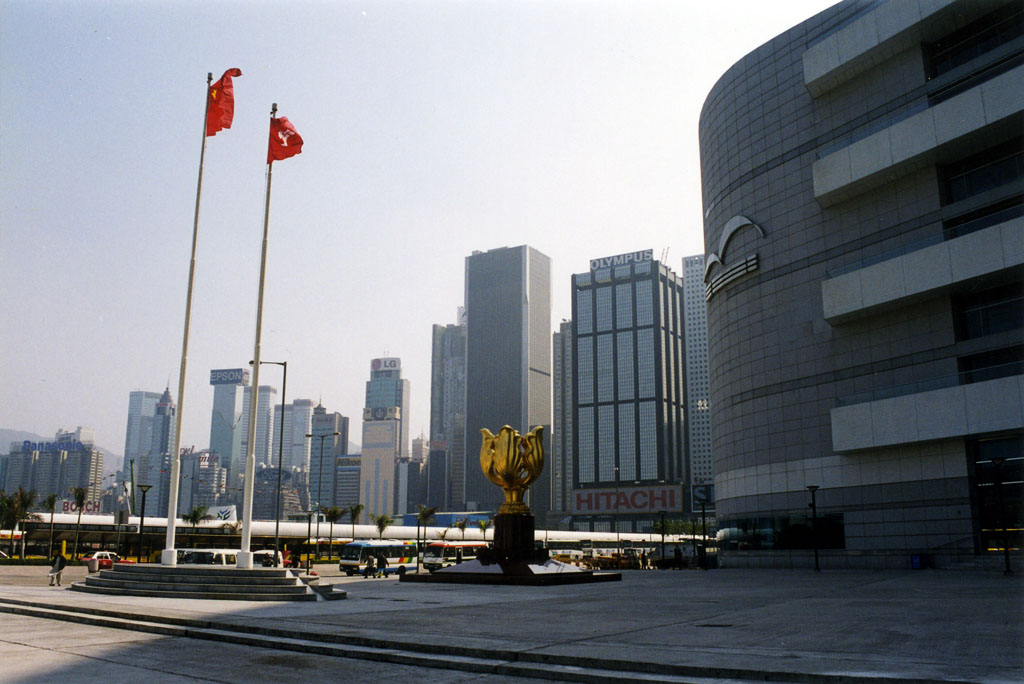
<point x="382" y="566"/>
<point x="57" y="567"/>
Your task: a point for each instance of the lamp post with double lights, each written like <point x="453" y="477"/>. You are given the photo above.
<point x="280" y="461"/>
<point x="142" y="515"/>
<point x="320" y="487"/>
<point x="814" y="525"/>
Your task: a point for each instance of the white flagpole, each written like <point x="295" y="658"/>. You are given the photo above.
<point x="245" y="556"/>
<point x="170" y="555"/>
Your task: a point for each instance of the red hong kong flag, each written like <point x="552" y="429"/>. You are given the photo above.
<point x="285" y="141"/>
<point x="220" y="109"/>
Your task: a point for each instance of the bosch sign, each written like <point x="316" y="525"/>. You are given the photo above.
<point x="89" y="507"/>
<point x="386" y="364"/>
<point x="230" y="376"/>
<point x="622" y="259"/>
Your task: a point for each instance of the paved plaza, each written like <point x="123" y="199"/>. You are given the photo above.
<point x="673" y="626"/>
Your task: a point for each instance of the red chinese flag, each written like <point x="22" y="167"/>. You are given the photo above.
<point x="221" y="106"/>
<point x="285" y="141"/>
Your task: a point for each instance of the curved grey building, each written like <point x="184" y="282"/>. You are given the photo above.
<point x="863" y="186"/>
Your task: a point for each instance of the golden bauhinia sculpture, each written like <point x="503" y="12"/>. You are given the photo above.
<point x="512" y="461"/>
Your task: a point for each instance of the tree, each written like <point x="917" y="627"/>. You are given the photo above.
<point x="461" y="525"/>
<point x="354" y="511"/>
<point x="197" y="515"/>
<point x="484" y="525"/>
<point x="50" y="505"/>
<point x="423" y="517"/>
<point x="382" y="521"/>
<point x="7" y="517"/>
<point x="79" y="494"/>
<point x="332" y="514"/>
<point x="443" y="534"/>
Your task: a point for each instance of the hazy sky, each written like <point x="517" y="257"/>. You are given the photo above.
<point x="431" y="129"/>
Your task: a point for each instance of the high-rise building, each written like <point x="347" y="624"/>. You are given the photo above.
<point x="446" y="454"/>
<point x="382" y="431"/>
<point x="298" y="422"/>
<point x="265" y="426"/>
<point x="560" y="463"/>
<point x="55" y="467"/>
<point x="698" y="384"/>
<point x="139" y="432"/>
<point x="863" y="176"/>
<point x="227" y="429"/>
<point x="156" y="466"/>
<point x="386" y="389"/>
<point x="325" y="425"/>
<point x="508" y="359"/>
<point x="346" y="480"/>
<point x="629" y="438"/>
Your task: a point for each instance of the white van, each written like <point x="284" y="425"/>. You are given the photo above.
<point x="210" y="557"/>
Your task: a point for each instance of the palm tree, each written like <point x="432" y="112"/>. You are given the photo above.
<point x="332" y="514"/>
<point x="424" y="516"/>
<point x="461" y="525"/>
<point x="354" y="511"/>
<point x="443" y="534"/>
<point x="79" y="494"/>
<point x="50" y="505"/>
<point x="197" y="515"/>
<point x="6" y="515"/>
<point x="23" y="501"/>
<point x="484" y="525"/>
<point x="382" y="521"/>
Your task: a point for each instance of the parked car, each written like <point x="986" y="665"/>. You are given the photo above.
<point x="210" y="557"/>
<point x="105" y="559"/>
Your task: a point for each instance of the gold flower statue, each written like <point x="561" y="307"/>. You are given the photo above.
<point x="512" y="461"/>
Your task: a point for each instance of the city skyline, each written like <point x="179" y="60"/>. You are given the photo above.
<point x="534" y="124"/>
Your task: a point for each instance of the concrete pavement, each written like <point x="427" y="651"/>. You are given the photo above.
<point x="786" y="625"/>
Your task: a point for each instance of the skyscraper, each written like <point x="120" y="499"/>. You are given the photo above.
<point x="698" y="385"/>
<point x="265" y="425"/>
<point x="446" y="454"/>
<point x="139" y="431"/>
<point x="508" y="358"/>
<point x="298" y="422"/>
<point x="227" y="430"/>
<point x="324" y="424"/>
<point x="156" y="465"/>
<point x="629" y="435"/>
<point x="379" y="461"/>
<point x="560" y="463"/>
<point x="386" y="389"/>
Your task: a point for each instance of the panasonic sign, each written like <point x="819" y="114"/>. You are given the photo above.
<point x="622" y="259"/>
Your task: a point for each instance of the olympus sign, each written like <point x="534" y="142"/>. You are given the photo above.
<point x="230" y="376"/>
<point x="622" y="259"/>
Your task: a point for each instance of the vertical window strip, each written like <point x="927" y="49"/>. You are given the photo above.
<point x="627" y="442"/>
<point x="648" y="441"/>
<point x="606" y="443"/>
<point x="625" y="365"/>
<point x="605" y="369"/>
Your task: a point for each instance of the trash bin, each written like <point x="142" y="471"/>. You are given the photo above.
<point x="92" y="564"/>
<point x="918" y="561"/>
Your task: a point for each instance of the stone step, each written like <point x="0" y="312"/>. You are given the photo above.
<point x="177" y="594"/>
<point x="203" y="587"/>
<point x="170" y="576"/>
<point x="202" y="570"/>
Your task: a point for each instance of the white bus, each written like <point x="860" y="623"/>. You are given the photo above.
<point x="400" y="555"/>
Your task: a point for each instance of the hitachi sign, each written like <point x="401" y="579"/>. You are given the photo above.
<point x="622" y="259"/>
<point x="626" y="500"/>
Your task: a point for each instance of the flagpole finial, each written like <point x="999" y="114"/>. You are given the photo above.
<point x="273" y="110"/>
<point x="209" y="77"/>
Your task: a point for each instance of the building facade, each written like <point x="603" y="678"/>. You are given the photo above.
<point x="508" y="360"/>
<point x="629" y="436"/>
<point x="446" y="457"/>
<point x="332" y="430"/>
<point x="55" y="468"/>
<point x="863" y="176"/>
<point x="298" y="422"/>
<point x="561" y="466"/>
<point x="698" y="382"/>
<point x="382" y="432"/>
<point x="227" y="429"/>
<point x="386" y="389"/>
<point x="139" y="431"/>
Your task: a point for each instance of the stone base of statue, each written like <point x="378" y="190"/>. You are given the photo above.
<point x="515" y="560"/>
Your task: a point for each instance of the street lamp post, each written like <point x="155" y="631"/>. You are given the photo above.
<point x="280" y="462"/>
<point x="998" y="462"/>
<point x="618" y="543"/>
<point x="142" y="515"/>
<point x="814" y="525"/>
<point x="662" y="514"/>
<point x="309" y="529"/>
<point x="319" y="487"/>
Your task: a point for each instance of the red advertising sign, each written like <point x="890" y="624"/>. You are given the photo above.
<point x="90" y="507"/>
<point x="626" y="500"/>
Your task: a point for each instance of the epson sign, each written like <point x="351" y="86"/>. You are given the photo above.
<point x="230" y="376"/>
<point x="622" y="259"/>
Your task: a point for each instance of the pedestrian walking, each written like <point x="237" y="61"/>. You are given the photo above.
<point x="382" y="566"/>
<point x="677" y="556"/>
<point x="370" y="570"/>
<point x="56" y="568"/>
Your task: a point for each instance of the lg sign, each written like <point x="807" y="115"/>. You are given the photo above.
<point x="386" y="364"/>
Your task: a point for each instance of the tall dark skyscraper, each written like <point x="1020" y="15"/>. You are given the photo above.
<point x="508" y="359"/>
<point x="446" y="458"/>
<point x="629" y="434"/>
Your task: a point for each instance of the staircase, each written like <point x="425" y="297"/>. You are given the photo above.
<point x="207" y="582"/>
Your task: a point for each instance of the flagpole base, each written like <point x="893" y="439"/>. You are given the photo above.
<point x="243" y="560"/>
<point x="169" y="557"/>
